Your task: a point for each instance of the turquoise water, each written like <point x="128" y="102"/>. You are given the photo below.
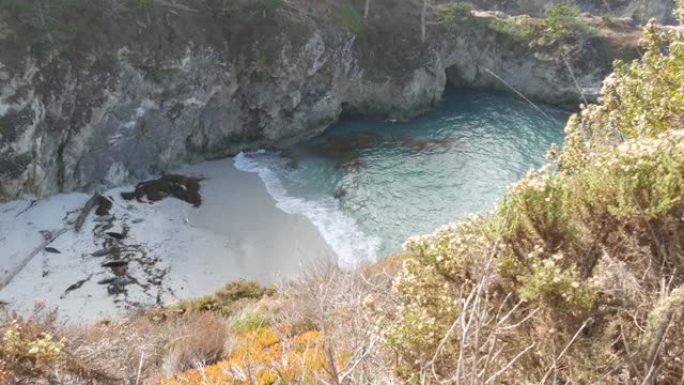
<point x="369" y="185"/>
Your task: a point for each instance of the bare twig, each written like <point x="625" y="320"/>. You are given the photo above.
<point x="562" y="353"/>
<point x="510" y="363"/>
<point x="140" y="365"/>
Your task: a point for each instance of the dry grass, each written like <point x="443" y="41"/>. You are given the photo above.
<point x="199" y="340"/>
<point x="141" y="349"/>
<point x="114" y="351"/>
<point x="333" y="302"/>
<point x="317" y="330"/>
<point x="323" y="329"/>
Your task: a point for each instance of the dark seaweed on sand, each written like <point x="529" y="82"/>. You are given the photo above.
<point x="178" y="186"/>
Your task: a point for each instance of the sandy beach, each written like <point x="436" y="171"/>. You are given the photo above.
<point x="165" y="251"/>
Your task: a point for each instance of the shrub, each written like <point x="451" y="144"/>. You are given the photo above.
<point x="18" y="345"/>
<point x="350" y="20"/>
<point x="554" y="286"/>
<point x="642" y="99"/>
<point x="515" y="29"/>
<point x="540" y="210"/>
<point x="250" y="321"/>
<point x="225" y="301"/>
<point x="458" y="17"/>
<point x="563" y="21"/>
<point x="455" y="12"/>
<point x="29" y="345"/>
<point x="560" y="11"/>
<point x="566" y="278"/>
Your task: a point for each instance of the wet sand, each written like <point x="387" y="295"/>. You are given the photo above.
<point x="147" y="254"/>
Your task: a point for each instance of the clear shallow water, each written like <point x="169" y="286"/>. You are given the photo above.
<point x="369" y="185"/>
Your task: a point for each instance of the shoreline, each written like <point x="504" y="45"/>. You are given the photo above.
<point x="170" y="250"/>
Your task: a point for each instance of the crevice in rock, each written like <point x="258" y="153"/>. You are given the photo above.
<point x="60" y="166"/>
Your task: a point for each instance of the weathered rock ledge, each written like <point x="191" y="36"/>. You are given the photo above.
<point x="143" y="92"/>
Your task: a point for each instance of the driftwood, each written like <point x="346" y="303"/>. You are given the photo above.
<point x="87" y="208"/>
<point x="97" y="200"/>
<point x="13" y="273"/>
<point x="103" y="205"/>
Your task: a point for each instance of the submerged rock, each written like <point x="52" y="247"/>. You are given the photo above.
<point x="346" y="150"/>
<point x="340" y="193"/>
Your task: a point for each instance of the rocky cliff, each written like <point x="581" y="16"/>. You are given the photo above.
<point x="135" y="87"/>
<point x="497" y="57"/>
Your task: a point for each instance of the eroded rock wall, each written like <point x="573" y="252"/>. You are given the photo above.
<point x="146" y="93"/>
<point x="564" y="75"/>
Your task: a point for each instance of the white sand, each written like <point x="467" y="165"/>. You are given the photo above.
<point x="236" y="233"/>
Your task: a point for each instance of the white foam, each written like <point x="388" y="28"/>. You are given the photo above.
<point x="339" y="230"/>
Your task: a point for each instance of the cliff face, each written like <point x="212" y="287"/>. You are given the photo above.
<point x="142" y="91"/>
<point x="560" y="74"/>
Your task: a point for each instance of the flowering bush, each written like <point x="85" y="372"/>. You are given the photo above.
<point x="567" y="278"/>
<point x="41" y="350"/>
<point x="28" y="346"/>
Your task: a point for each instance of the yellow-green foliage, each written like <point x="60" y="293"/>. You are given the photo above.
<point x="560" y="281"/>
<point x="562" y="22"/>
<point x="225" y="301"/>
<point x="42" y="350"/>
<point x="350" y="20"/>
<point x="546" y="281"/>
<point x="251" y="321"/>
<point x="642" y="99"/>
<point x="454" y="13"/>
<point x="515" y="28"/>
<point x="28" y="345"/>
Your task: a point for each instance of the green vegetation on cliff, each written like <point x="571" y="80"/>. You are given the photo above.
<point x="350" y="20"/>
<point x="563" y="22"/>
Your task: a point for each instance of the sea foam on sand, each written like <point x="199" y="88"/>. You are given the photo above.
<point x="339" y="230"/>
<point x="182" y="251"/>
